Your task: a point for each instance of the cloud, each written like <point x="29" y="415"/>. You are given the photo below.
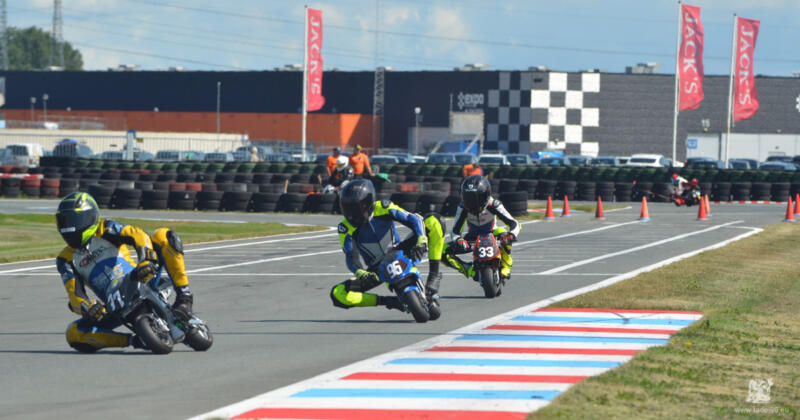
<point x="449" y="22"/>
<point x="393" y="16"/>
<point x="98" y="59"/>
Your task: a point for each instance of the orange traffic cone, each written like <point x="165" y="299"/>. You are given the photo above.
<point x="565" y="212"/>
<point x="797" y="204"/>
<point x="701" y="211"/>
<point x="548" y="215"/>
<point x="644" y="216"/>
<point x="789" y="212"/>
<point x="708" y="206"/>
<point x="598" y="211"/>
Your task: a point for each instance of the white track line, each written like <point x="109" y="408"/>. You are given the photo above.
<point x="364" y="365"/>
<point x="582" y="232"/>
<point x="287" y="257"/>
<point x="634" y="249"/>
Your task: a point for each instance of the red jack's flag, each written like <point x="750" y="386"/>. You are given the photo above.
<point x="745" y="97"/>
<point x="314" y="69"/>
<point x="690" y="59"/>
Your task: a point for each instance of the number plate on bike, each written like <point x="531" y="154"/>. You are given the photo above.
<point x="395" y="268"/>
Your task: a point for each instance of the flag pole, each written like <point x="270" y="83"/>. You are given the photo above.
<point x="730" y="91"/>
<point x="305" y="83"/>
<point x="677" y="84"/>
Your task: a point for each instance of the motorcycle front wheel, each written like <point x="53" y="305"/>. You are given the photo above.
<point x="154" y="333"/>
<point x="413" y="302"/>
<point x="485" y="277"/>
<point x="199" y="338"/>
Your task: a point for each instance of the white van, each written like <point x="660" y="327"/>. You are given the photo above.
<point x="25" y="154"/>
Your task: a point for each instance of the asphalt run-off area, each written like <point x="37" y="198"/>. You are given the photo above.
<point x="267" y="303"/>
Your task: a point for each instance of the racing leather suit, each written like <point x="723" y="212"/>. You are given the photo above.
<point x="340" y="176"/>
<point x="90" y="266"/>
<point x="370" y="242"/>
<point x="483" y="222"/>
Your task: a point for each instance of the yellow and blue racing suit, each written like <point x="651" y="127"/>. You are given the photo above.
<point x="107" y="251"/>
<point x="483" y="222"/>
<point x="370" y="242"/>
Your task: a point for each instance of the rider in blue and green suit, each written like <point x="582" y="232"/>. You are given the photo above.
<point x="368" y="232"/>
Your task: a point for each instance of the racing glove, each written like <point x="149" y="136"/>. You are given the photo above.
<point x="94" y="313"/>
<point x="419" y="250"/>
<point x="461" y="244"/>
<point x="508" y="239"/>
<point x="145" y="271"/>
<point x="366" y="277"/>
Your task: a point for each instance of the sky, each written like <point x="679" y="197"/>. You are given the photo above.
<point x="564" y="35"/>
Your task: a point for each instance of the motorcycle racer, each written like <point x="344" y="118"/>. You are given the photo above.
<point x="342" y="173"/>
<point x="367" y="232"/>
<point x="685" y="192"/>
<point x="479" y="211"/>
<point x="89" y="238"/>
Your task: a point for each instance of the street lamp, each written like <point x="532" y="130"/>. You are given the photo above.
<point x="417" y="121"/>
<point x="45" y="97"/>
<point x="33" y="103"/>
<point x="219" y="91"/>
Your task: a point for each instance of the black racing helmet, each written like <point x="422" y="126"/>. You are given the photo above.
<point x="77" y="218"/>
<point x="475" y="193"/>
<point x="357" y="199"/>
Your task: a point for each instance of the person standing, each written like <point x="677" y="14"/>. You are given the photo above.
<point x="254" y="157"/>
<point x="360" y="162"/>
<point x="332" y="158"/>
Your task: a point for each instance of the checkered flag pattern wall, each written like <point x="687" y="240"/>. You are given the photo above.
<point x="534" y="107"/>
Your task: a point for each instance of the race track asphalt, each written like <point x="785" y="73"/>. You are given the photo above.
<point x="267" y="303"/>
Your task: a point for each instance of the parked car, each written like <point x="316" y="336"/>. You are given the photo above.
<point x="579" y="159"/>
<point x="623" y="160"/>
<point x="112" y="155"/>
<point x="419" y="159"/>
<point x="5" y="156"/>
<point x="649" y="160"/>
<point x="777" y="165"/>
<point x="142" y="156"/>
<point x="465" y="158"/>
<point x="25" y="154"/>
<point x="218" y="157"/>
<point x="779" y="158"/>
<point x="384" y="159"/>
<point x="553" y="161"/>
<point x="168" y="156"/>
<point x="742" y="164"/>
<point x="605" y="161"/>
<point x="441" y="158"/>
<point x="192" y="155"/>
<point x="403" y="157"/>
<point x="72" y="149"/>
<point x="519" y="159"/>
<point x="242" y="153"/>
<point x="700" y="162"/>
<point x="493" y="159"/>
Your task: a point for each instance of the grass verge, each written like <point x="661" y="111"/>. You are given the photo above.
<point x="749" y="294"/>
<point x="34" y="236"/>
<point x="588" y="208"/>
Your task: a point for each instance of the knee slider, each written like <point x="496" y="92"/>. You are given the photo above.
<point x="337" y="291"/>
<point x="175" y="241"/>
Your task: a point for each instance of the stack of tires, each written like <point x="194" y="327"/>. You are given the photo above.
<point x="721" y="191"/>
<point x="430" y="201"/>
<point x="155" y="199"/>
<point x="761" y="191"/>
<point x="780" y="191"/>
<point x="291" y="202"/>
<point x="529" y="186"/>
<point x="587" y="191"/>
<point x="11" y="187"/>
<point x="320" y="203"/>
<point x="265" y="201"/>
<point x="740" y="191"/>
<point x="209" y="198"/>
<point x="605" y="190"/>
<point x="406" y="200"/>
<point x="661" y="192"/>
<point x="181" y="199"/>
<point x="515" y="202"/>
<point x="623" y="191"/>
<point x="67" y="186"/>
<point x="31" y="186"/>
<point x="50" y="187"/>
<point x="545" y="188"/>
<point x="565" y="188"/>
<point x="127" y="198"/>
<point x="236" y="200"/>
<point x="101" y="194"/>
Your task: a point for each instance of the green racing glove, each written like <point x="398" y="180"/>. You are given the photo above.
<point x="419" y="250"/>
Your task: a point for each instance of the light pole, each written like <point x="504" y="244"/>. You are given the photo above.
<point x="33" y="103"/>
<point x="417" y="120"/>
<point x="219" y="91"/>
<point x="45" y="97"/>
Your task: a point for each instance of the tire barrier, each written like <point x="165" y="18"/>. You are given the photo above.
<point x="450" y="205"/>
<point x="181" y="200"/>
<point x="780" y="191"/>
<point x="265" y="201"/>
<point x="760" y="191"/>
<point x="209" y="200"/>
<point x="662" y="191"/>
<point x="12" y="187"/>
<point x="623" y="191"/>
<point x="429" y="201"/>
<point x="741" y="191"/>
<point x="154" y="199"/>
<point x="586" y="191"/>
<point x="320" y="203"/>
<point x="721" y="191"/>
<point x="605" y="190"/>
<point x="291" y="202"/>
<point x="31" y="187"/>
<point x="125" y="198"/>
<point x="529" y="186"/>
<point x="545" y="188"/>
<point x="406" y="200"/>
<point x="101" y="194"/>
<point x="515" y="202"/>
<point x="565" y="188"/>
<point x="236" y="200"/>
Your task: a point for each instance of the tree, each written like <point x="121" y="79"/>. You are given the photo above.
<point x="29" y="49"/>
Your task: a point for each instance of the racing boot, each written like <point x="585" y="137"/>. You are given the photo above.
<point x="432" y="286"/>
<point x="183" y="303"/>
<point x="390" y="302"/>
<point x="137" y="342"/>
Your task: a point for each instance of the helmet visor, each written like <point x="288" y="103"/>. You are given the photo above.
<point x="356" y="212"/>
<point x="76" y="227"/>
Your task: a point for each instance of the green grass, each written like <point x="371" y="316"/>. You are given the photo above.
<point x="34" y="236"/>
<point x="588" y="208"/>
<point x="749" y="293"/>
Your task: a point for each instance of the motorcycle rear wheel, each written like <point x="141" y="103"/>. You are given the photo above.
<point x="485" y="277"/>
<point x="158" y="340"/>
<point x="413" y="302"/>
<point x="199" y="339"/>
